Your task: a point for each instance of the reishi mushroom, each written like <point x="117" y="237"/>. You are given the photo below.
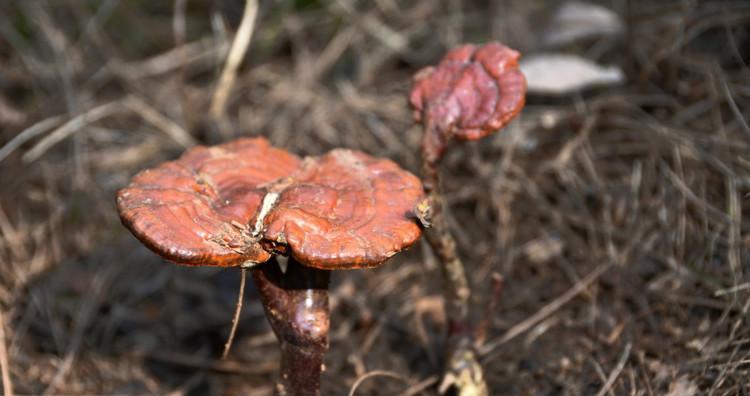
<point x="240" y="203"/>
<point x="473" y="92"/>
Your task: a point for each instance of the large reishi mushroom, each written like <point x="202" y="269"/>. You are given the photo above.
<point x="198" y="209"/>
<point x="239" y="203"/>
<point x="346" y="210"/>
<point x="473" y="92"/>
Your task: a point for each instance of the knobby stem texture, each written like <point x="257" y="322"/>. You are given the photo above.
<point x="439" y="236"/>
<point x="296" y="305"/>
<point x="462" y="366"/>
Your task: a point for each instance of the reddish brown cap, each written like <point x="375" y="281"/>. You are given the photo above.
<point x="196" y="210"/>
<point x="346" y="210"/>
<point x="473" y="92"/>
<point x="222" y="205"/>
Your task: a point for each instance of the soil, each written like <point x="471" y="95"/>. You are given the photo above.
<point x="617" y="216"/>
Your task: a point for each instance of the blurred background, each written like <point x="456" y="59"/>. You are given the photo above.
<point x="617" y="209"/>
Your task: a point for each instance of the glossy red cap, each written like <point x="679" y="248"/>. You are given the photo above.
<point x="342" y="210"/>
<point x="474" y="91"/>
<point x="346" y="210"/>
<point x="196" y="210"/>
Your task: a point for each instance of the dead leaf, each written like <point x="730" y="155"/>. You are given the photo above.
<point x="576" y="20"/>
<point x="543" y="250"/>
<point x="682" y="387"/>
<point x="559" y="74"/>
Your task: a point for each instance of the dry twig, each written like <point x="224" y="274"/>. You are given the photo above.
<point x="375" y="373"/>
<point x="4" y="361"/>
<point x="616" y="371"/>
<point x="236" y="54"/>
<point x="487" y="350"/>
<point x="237" y="312"/>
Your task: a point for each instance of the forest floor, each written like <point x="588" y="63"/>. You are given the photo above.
<point x="618" y="217"/>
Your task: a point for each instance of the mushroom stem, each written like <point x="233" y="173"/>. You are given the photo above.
<point x="439" y="236"/>
<point x="296" y="305"/>
<point x="462" y="368"/>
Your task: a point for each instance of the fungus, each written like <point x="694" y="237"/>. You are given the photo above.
<point x="473" y="92"/>
<point x="240" y="203"/>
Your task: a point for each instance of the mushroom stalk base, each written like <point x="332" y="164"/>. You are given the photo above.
<point x="296" y="305"/>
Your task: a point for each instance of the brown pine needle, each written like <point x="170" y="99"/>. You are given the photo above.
<point x="616" y="371"/>
<point x="545" y="311"/>
<point x="236" y="318"/>
<point x="375" y="373"/>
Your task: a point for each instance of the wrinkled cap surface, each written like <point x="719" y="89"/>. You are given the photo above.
<point x="342" y="210"/>
<point x="196" y="210"/>
<point x="346" y="210"/>
<point x="474" y="91"/>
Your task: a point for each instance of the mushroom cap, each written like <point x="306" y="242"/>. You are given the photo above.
<point x="473" y="92"/>
<point x="346" y="210"/>
<point x="239" y="202"/>
<point x="195" y="210"/>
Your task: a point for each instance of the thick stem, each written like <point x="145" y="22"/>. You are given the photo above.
<point x="296" y="305"/>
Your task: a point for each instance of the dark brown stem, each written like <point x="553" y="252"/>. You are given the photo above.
<point x="296" y="305"/>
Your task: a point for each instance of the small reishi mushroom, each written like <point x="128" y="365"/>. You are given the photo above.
<point x="473" y="92"/>
<point x="239" y="203"/>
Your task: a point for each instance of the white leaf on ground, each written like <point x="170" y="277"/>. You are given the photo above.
<point x="682" y="387"/>
<point x="543" y="250"/>
<point x="576" y="20"/>
<point x="559" y="74"/>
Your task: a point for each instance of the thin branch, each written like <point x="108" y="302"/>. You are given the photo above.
<point x="199" y="51"/>
<point x="28" y="134"/>
<point x="545" y="311"/>
<point x="161" y="122"/>
<point x="195" y="362"/>
<point x="75" y="124"/>
<point x="733" y="106"/>
<point x="99" y="289"/>
<point x="420" y="386"/>
<point x="484" y="323"/>
<point x="616" y="371"/>
<point x="236" y="318"/>
<point x="4" y="365"/>
<point x="375" y="373"/>
<point x="236" y="53"/>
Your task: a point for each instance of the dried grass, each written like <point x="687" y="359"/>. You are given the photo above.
<point x="646" y="186"/>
